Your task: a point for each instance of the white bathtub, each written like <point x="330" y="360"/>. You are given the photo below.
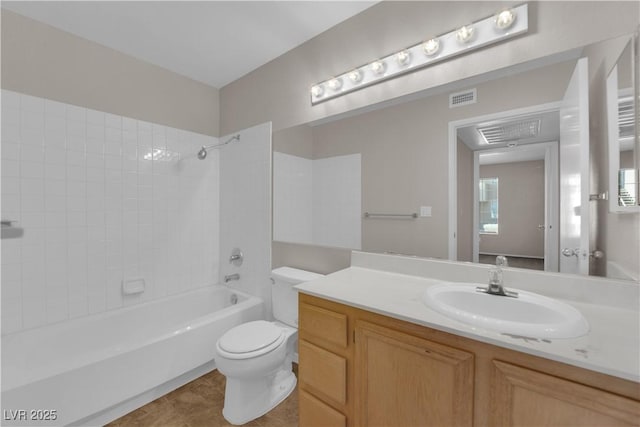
<point x="91" y="370"/>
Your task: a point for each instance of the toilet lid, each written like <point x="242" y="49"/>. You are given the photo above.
<point x="250" y="337"/>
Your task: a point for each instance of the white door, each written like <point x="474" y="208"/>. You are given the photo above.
<point x="574" y="173"/>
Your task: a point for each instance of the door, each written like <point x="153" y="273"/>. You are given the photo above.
<point x="574" y="173"/>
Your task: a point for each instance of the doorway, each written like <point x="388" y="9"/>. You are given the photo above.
<point x="507" y="187"/>
<point x="525" y="208"/>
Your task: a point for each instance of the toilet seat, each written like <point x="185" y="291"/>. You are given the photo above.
<point x="251" y="339"/>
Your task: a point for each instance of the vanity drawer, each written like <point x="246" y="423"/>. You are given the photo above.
<point x="323" y="372"/>
<point x="315" y="413"/>
<point x="324" y="324"/>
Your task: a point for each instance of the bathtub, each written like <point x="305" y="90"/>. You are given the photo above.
<point x="94" y="369"/>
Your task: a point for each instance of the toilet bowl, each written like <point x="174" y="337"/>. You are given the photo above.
<point x="256" y="357"/>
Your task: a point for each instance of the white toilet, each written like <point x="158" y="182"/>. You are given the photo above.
<point x="256" y="356"/>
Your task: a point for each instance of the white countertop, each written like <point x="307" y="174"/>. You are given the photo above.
<point x="612" y="345"/>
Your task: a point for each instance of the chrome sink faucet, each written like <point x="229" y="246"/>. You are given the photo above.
<point x="496" y="281"/>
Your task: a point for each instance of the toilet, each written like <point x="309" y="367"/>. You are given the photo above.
<point x="256" y="356"/>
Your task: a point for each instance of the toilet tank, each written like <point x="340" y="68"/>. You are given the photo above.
<point x="284" y="297"/>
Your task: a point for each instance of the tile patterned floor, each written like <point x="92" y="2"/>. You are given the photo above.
<point x="199" y="404"/>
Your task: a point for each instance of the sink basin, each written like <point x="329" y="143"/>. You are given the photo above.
<point x="528" y="315"/>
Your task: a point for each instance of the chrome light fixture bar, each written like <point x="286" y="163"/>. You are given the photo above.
<point x="503" y="25"/>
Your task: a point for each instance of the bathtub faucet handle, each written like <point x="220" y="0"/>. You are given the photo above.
<point x="236" y="257"/>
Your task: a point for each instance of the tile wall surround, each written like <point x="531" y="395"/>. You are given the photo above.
<point x="245" y="211"/>
<point x="102" y="199"/>
<point x="292" y="198"/>
<point x="318" y="201"/>
<point x="337" y="201"/>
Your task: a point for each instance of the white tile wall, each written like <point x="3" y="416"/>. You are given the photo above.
<point x="102" y="198"/>
<point x="245" y="223"/>
<point x="337" y="201"/>
<point x="292" y="198"/>
<point x="318" y="201"/>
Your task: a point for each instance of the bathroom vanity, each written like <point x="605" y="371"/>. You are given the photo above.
<point x="371" y="353"/>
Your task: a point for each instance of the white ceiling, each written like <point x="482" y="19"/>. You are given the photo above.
<point x="214" y="42"/>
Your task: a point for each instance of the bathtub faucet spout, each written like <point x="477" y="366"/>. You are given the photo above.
<point x="231" y="277"/>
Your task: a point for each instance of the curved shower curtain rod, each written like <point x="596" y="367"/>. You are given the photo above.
<point x="203" y="151"/>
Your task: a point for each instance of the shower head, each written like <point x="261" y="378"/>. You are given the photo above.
<point x="202" y="154"/>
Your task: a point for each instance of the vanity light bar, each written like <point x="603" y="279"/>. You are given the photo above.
<point x="493" y="29"/>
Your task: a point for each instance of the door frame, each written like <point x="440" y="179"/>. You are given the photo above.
<point x="453" y="165"/>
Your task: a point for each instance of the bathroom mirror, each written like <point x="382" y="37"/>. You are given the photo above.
<point x="402" y="154"/>
<point x="622" y="104"/>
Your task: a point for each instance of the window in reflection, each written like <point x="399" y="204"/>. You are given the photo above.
<point x="488" y="210"/>
<point x="627" y="187"/>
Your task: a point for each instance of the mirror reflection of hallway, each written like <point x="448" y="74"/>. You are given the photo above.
<point x="511" y="188"/>
<point x="518" y="211"/>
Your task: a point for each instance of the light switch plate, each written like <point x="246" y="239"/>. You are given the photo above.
<point x="425" y="211"/>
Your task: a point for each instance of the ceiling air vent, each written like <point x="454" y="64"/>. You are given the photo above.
<point x="463" y="98"/>
<point x="510" y="131"/>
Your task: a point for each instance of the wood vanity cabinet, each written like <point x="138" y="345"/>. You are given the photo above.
<point x="359" y="369"/>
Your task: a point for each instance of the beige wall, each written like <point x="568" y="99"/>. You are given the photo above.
<point x="520" y="209"/>
<point x="279" y="90"/>
<point x="309" y="257"/>
<point x="627" y="159"/>
<point x="296" y="141"/>
<point x="43" y="61"/>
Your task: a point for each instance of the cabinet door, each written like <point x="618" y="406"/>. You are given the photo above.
<point x="522" y="397"/>
<point x="403" y="380"/>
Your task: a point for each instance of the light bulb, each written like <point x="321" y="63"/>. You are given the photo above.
<point x="355" y="76"/>
<point x="317" y="91"/>
<point x="465" y="34"/>
<point x="431" y="47"/>
<point x="403" y="58"/>
<point x="505" y="19"/>
<point x="378" y="67"/>
<point x="335" y="84"/>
